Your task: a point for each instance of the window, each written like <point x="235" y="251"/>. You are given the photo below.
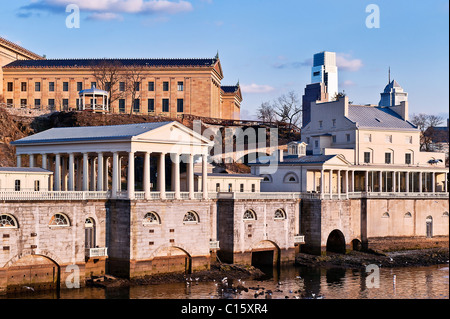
<point x="51" y="103"/>
<point x="385" y="215"/>
<point x="151" y="105"/>
<point x="23" y="102"/>
<point x="37" y="186"/>
<point x="320" y="124"/>
<point x="217" y="187"/>
<point x="316" y="143"/>
<point x="79" y="86"/>
<point x="37" y="103"/>
<point x="93" y="84"/>
<point x="151" y="86"/>
<point x="366" y="157"/>
<point x="65" y="86"/>
<point x="9" y="102"/>
<point x="317" y="73"/>
<point x="165" y="86"/>
<point x="136" y="106"/>
<point x="387" y="158"/>
<point x="445" y="214"/>
<point x="23" y="86"/>
<point x="179" y="105"/>
<point x="266" y="179"/>
<point x="137" y="86"/>
<point x="249" y="215"/>
<point x="191" y="217"/>
<point x="121" y="86"/>
<point x="388" y="139"/>
<point x="367" y="137"/>
<point x="37" y="86"/>
<point x="253" y="188"/>
<point x="307" y="140"/>
<point x="408" y="139"/>
<point x="51" y="86"/>
<point x="7" y="221"/>
<point x="230" y="188"/>
<point x="180" y="86"/>
<point x="334" y="138"/>
<point x="122" y="106"/>
<point x="347" y="136"/>
<point x="151" y="219"/>
<point x="333" y="122"/>
<point x="280" y="214"/>
<point x="408" y="215"/>
<point x="10" y="86"/>
<point x="242" y="188"/>
<point x="107" y="86"/>
<point x="165" y="105"/>
<point x="408" y="158"/>
<point x="290" y="178"/>
<point x="65" y="103"/>
<point x="59" y="220"/>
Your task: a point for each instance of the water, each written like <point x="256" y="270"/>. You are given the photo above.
<point x="430" y="282"/>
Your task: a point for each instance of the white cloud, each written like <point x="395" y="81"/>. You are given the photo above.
<point x="104" y="16"/>
<point x="347" y="84"/>
<point x="115" y="6"/>
<point x="256" y="88"/>
<point x="345" y="62"/>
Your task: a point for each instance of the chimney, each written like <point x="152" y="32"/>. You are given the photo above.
<point x="280" y="155"/>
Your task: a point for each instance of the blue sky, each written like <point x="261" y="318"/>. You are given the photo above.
<point x="266" y="45"/>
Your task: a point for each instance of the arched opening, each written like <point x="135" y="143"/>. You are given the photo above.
<point x="89" y="233"/>
<point x="336" y="242"/>
<point x="266" y="255"/>
<point x="33" y="273"/>
<point x="172" y="259"/>
<point x="429" y="226"/>
<point x="356" y="244"/>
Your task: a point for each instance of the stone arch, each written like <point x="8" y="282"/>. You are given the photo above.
<point x="32" y="272"/>
<point x="336" y="242"/>
<point x="265" y="253"/>
<point x="356" y="244"/>
<point x="169" y="259"/>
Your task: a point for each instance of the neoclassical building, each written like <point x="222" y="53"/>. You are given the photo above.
<point x="166" y="87"/>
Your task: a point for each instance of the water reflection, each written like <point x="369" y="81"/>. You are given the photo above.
<point x="286" y="282"/>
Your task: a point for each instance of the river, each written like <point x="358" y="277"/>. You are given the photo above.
<point x="431" y="282"/>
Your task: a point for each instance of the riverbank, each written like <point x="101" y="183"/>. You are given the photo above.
<point x="357" y="259"/>
<point x="219" y="272"/>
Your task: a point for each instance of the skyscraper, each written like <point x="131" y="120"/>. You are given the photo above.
<point x="325" y="71"/>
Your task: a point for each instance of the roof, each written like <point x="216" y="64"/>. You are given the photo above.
<point x="377" y="117"/>
<point x="229" y="88"/>
<point x="391" y="85"/>
<point x="72" y="134"/>
<point x="88" y="63"/>
<point x="93" y="90"/>
<point x="19" y="49"/>
<point x="24" y="170"/>
<point x="229" y="175"/>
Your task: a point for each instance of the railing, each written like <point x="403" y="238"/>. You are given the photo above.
<point x="96" y="252"/>
<point x="214" y="244"/>
<point x="53" y="195"/>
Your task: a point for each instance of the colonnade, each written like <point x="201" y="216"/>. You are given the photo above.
<point x="91" y="171"/>
<point x="349" y="181"/>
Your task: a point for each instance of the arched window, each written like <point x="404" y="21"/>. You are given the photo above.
<point x="8" y="221"/>
<point x="89" y="223"/>
<point x="386" y="215"/>
<point x="408" y="215"/>
<point x="151" y="219"/>
<point x="249" y="215"/>
<point x="445" y="214"/>
<point x="266" y="178"/>
<point x="291" y="178"/>
<point x="191" y="217"/>
<point x="280" y="214"/>
<point x="59" y="220"/>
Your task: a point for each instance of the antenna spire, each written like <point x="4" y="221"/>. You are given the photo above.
<point x="389" y="75"/>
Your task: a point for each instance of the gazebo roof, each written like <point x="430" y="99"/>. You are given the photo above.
<point x="93" y="91"/>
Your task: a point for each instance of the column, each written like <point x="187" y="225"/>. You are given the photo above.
<point x="420" y="182"/>
<point x="85" y="172"/>
<point x="330" y="181"/>
<point x="31" y="156"/>
<point x="205" y="176"/>
<point x="346" y="184"/>
<point x="445" y="182"/>
<point x="92" y="171"/>
<point x="353" y="181"/>
<point x="19" y="160"/>
<point x="339" y="184"/>
<point x="162" y="175"/>
<point x="407" y="182"/>
<point x="64" y="173"/>
<point x="57" y="178"/>
<point x="176" y="177"/>
<point x="190" y="176"/>
<point x="105" y="173"/>
<point x="393" y="182"/>
<point x="130" y="181"/>
<point x="100" y="180"/>
<point x="44" y="161"/>
<point x="322" y="189"/>
<point x="71" y="172"/>
<point x="115" y="177"/>
<point x="146" y="176"/>
<point x="380" y="181"/>
<point x="433" y="182"/>
<point x="366" y="182"/>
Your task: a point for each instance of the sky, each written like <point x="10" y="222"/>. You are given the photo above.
<point x="266" y="45"/>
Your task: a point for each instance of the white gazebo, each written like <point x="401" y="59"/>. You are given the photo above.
<point x="93" y="93"/>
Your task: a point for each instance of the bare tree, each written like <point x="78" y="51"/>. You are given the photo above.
<point x="288" y="109"/>
<point x="108" y="75"/>
<point x="425" y="123"/>
<point x="134" y="75"/>
<point x="266" y="113"/>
